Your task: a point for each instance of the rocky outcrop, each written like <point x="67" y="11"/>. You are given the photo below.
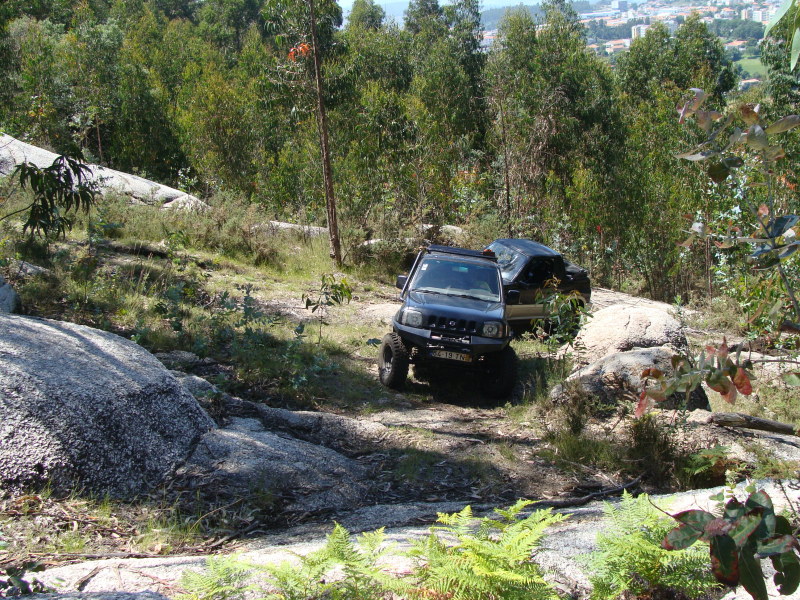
<point x="14" y="152"/>
<point x="617" y="377"/>
<point x="86" y="408"/>
<point x="244" y="459"/>
<point x="9" y="299"/>
<point x="620" y="328"/>
<point x="562" y="554"/>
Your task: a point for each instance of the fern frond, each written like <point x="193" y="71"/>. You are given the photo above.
<point x="629" y="556"/>
<point x="226" y="578"/>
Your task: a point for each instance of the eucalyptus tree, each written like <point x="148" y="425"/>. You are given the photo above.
<point x="309" y="27"/>
<point x="92" y="49"/>
<point x="225" y="22"/>
<point x="365" y="15"/>
<point x="557" y="129"/>
<point x="42" y="98"/>
<point x="144" y="137"/>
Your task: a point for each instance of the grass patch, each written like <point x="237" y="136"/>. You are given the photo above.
<point x="42" y="525"/>
<point x="753" y="66"/>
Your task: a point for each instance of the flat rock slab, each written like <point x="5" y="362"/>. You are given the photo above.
<point x="560" y="554"/>
<point x="245" y="459"/>
<point x="85" y="408"/>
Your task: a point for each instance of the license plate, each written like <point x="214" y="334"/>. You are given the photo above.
<point x="451" y="355"/>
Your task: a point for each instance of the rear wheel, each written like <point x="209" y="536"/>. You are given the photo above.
<point x="500" y="376"/>
<point x="392" y="361"/>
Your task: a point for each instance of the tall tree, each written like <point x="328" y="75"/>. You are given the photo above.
<point x="366" y="15"/>
<point x="311" y="30"/>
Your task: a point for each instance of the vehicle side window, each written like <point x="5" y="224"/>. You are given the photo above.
<point x="537" y="272"/>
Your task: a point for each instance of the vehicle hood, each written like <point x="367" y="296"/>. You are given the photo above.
<point x="464" y="308"/>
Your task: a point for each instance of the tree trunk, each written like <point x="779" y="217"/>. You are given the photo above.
<point x="322" y="123"/>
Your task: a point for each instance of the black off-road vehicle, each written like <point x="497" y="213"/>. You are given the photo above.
<point x="453" y="313"/>
<point x="536" y="272"/>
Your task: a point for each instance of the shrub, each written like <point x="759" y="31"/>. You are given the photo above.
<point x="630" y="559"/>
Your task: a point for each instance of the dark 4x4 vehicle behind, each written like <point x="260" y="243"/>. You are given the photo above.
<point x="536" y="271"/>
<point x="453" y="313"/>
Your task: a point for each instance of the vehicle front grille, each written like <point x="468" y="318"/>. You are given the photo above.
<point x="440" y="323"/>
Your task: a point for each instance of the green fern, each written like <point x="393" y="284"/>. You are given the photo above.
<point x="630" y="557"/>
<point x="359" y="577"/>
<point x="490" y="560"/>
<point x="487" y="559"/>
<point x="226" y="578"/>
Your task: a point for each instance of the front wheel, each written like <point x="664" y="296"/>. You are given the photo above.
<point x="500" y="375"/>
<point x="392" y="362"/>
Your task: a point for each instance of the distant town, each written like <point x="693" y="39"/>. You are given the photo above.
<point x="612" y="27"/>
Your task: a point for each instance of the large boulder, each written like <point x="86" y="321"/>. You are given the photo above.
<point x="619" y="328"/>
<point x="14" y="152"/>
<point x="86" y="409"/>
<point x="245" y="459"/>
<point x="9" y="299"/>
<point x="617" y="377"/>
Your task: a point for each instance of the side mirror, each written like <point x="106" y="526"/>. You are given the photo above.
<point x="401" y="281"/>
<point x="512" y="297"/>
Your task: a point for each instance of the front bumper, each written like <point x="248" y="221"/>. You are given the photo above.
<point x="428" y="341"/>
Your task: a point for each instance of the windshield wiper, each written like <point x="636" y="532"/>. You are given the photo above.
<point x="427" y="291"/>
<point x="470" y="297"/>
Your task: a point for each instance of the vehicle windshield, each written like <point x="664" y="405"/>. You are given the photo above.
<point x="457" y="278"/>
<point x="510" y="261"/>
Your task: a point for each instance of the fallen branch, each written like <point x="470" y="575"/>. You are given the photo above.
<point x="750" y="422"/>
<point x="568" y="503"/>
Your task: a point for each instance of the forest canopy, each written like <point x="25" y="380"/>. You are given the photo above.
<point x="529" y="135"/>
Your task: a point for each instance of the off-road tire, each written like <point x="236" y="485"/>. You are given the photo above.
<point x="392" y="362"/>
<point x="500" y="375"/>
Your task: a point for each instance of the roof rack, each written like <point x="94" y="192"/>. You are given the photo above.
<point x="487" y="254"/>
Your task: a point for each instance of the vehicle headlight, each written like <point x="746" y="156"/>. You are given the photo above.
<point x="411" y="317"/>
<point x="493" y="329"/>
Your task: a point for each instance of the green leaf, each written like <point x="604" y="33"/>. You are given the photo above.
<point x="743" y="527"/>
<point x="718" y="172"/>
<point x="791" y="379"/>
<point x="756" y="137"/>
<point x="788" y="250"/>
<point x="693" y="525"/>
<point x="781" y="225"/>
<point x="751" y="576"/>
<point x="724" y="560"/>
<point x="784" y="8"/>
<point x="795" y="49"/>
<point x="681" y="538"/>
<point x="787" y="576"/>
<point x="774" y="153"/>
<point x="784" y="124"/>
<point x="778" y="544"/>
<point x="782" y="525"/>
<point x="760" y="501"/>
<point x="696" y="156"/>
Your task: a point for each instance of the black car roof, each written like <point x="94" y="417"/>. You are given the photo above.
<point x="461" y="252"/>
<point x="528" y="247"/>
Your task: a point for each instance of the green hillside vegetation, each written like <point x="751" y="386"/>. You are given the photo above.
<point x="752" y="66"/>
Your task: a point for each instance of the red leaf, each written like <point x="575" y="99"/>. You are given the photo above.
<point x="742" y="382"/>
<point x="720" y="383"/>
<point x="643" y="405"/>
<point x="722" y="351"/>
